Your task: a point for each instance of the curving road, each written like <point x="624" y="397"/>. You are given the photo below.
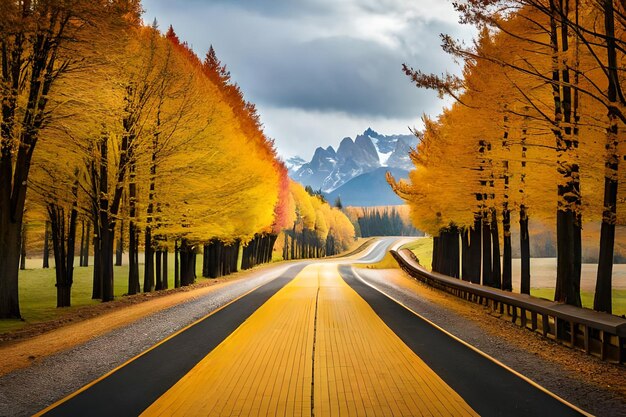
<point x="316" y="339"/>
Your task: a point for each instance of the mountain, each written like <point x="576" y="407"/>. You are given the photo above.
<point x="329" y="169"/>
<point x="369" y="189"/>
<point x="293" y="164"/>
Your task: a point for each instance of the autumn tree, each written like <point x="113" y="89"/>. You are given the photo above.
<point x="39" y="43"/>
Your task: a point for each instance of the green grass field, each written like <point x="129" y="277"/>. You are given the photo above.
<point x="38" y="293"/>
<point x="423" y="249"/>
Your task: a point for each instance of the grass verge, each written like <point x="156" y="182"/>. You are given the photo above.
<point x="38" y="294"/>
<point x="388" y="262"/>
<point x="423" y="249"/>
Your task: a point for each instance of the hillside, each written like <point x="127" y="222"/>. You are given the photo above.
<point x="369" y="189"/>
<point x="329" y="169"/>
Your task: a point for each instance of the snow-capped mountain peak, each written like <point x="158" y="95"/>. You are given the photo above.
<point x="294" y="163"/>
<point x="329" y="169"/>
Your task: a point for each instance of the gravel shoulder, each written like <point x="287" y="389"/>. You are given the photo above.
<point x="585" y="381"/>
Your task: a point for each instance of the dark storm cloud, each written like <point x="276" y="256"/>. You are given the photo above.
<point x="340" y="74"/>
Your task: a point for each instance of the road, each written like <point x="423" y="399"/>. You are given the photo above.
<point x="317" y="340"/>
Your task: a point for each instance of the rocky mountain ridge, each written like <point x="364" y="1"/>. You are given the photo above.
<point x="369" y="151"/>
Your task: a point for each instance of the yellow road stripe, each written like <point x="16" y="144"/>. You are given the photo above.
<point x="265" y="367"/>
<point x="475" y="349"/>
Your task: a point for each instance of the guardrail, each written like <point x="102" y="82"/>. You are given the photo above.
<point x="599" y="334"/>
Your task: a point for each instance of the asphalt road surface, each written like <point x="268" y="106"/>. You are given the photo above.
<point x="316" y="340"/>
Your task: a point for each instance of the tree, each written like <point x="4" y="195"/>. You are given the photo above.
<point x="575" y="37"/>
<point x="528" y="76"/>
<point x="38" y="43"/>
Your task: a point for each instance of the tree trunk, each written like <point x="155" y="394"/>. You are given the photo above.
<point x="602" y="300"/>
<point x="57" y="220"/>
<point x="105" y="228"/>
<point x="88" y="243"/>
<point x="194" y="258"/>
<point x="205" y="260"/>
<point x="165" y="271"/>
<point x="23" y="248"/>
<point x="525" y="251"/>
<point x="486" y="240"/>
<point x="187" y="264"/>
<point x="256" y="253"/>
<point x="46" y="245"/>
<point x="96" y="292"/>
<point x="465" y="255"/>
<point x="134" y="287"/>
<point x="523" y="215"/>
<point x="106" y="266"/>
<point x="71" y="250"/>
<point x="568" y="261"/>
<point x="270" y="247"/>
<point x="507" y="262"/>
<point x="63" y="238"/>
<point x="286" y="246"/>
<point x="9" y="265"/>
<point x="604" y="287"/>
<point x="81" y="248"/>
<point x="450" y="252"/>
<point x="215" y="261"/>
<point x="569" y="201"/>
<point x="244" y="257"/>
<point x="157" y="271"/>
<point x="119" y="248"/>
<point x="436" y="253"/>
<point x="293" y="242"/>
<point x="176" y="265"/>
<point x="236" y="250"/>
<point x="475" y="250"/>
<point x="495" y="244"/>
<point x="225" y="260"/>
<point x="148" y="269"/>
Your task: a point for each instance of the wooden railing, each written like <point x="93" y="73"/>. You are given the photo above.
<point x="600" y="334"/>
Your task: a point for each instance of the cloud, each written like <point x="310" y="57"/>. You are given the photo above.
<point x="338" y="60"/>
<point x="336" y="74"/>
<point x="300" y="132"/>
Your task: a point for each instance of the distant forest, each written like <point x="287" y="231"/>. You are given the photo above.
<point x="384" y="222"/>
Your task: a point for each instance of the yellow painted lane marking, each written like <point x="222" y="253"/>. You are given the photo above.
<point x="364" y="368"/>
<point x="265" y="367"/>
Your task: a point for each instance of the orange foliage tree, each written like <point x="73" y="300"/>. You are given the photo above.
<point x="527" y="122"/>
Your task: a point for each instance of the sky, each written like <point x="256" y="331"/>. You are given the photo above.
<point x="321" y="70"/>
